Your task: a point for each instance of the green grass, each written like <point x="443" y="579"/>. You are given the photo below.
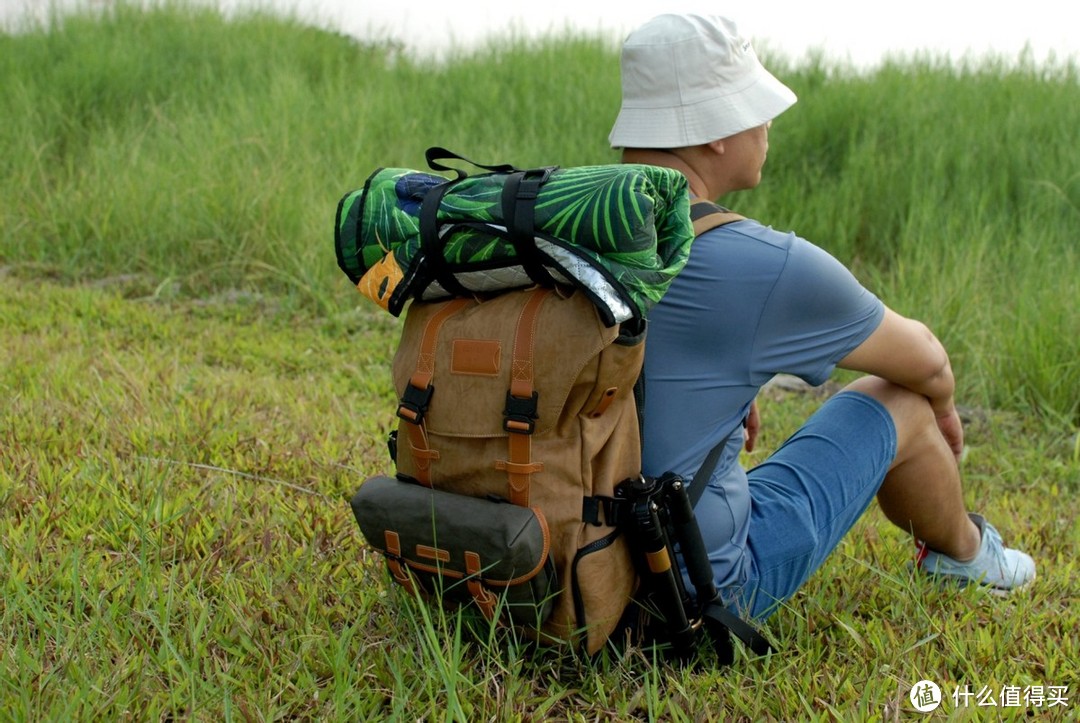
<point x="208" y="154"/>
<point x="173" y="500"/>
<point x="190" y="391"/>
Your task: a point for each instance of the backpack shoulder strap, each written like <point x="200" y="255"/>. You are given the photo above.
<point x="721" y="623"/>
<point x="707" y="215"/>
<point x="701" y="477"/>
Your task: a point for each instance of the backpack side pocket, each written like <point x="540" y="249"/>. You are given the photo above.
<point x="463" y="548"/>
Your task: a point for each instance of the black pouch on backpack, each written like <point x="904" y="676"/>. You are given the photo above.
<point x="463" y="548"/>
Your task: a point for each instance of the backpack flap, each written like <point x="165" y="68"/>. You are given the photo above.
<point x="469" y="347"/>
<point x="464" y="548"/>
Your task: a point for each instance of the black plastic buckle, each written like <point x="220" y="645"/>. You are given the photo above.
<point x="520" y="411"/>
<point x="531" y="181"/>
<point x="615" y="511"/>
<point x="391" y="445"/>
<point x="415" y="400"/>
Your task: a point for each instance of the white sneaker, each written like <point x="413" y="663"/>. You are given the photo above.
<point x="995" y="566"/>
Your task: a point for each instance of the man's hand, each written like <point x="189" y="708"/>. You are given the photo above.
<point x="750" y="429"/>
<point x="953" y="430"/>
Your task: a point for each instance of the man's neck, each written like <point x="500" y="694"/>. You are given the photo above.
<point x="670" y="159"/>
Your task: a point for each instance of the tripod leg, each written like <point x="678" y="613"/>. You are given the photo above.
<point x="715" y="617"/>
<point x="688" y="535"/>
<point x="662" y="575"/>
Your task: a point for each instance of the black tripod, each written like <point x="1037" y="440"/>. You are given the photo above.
<point x="658" y="520"/>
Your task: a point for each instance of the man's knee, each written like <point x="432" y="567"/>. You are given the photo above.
<point x="911" y="412"/>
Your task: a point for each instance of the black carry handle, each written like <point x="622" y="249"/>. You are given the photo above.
<point x="436" y="153"/>
<point x="518" y="207"/>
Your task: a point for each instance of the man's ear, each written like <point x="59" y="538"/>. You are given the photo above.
<point x="716" y="146"/>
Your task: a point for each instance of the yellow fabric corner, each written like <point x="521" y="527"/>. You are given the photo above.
<point x="379" y="282"/>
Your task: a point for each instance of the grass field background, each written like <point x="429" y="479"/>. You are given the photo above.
<point x="190" y="390"/>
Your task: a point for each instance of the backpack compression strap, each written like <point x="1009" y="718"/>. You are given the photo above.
<point x="414" y="402"/>
<point x="519" y="416"/>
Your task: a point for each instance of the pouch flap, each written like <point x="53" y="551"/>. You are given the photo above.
<point x="438" y="532"/>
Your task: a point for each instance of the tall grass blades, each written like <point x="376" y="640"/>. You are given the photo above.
<point x="174" y="143"/>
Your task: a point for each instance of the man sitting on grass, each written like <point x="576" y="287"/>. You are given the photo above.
<point x="754" y="302"/>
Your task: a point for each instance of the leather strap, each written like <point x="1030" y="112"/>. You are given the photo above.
<point x="519" y="466"/>
<point x="521" y="373"/>
<point x="483" y="597"/>
<point x="425" y="361"/>
<point x="393" y="561"/>
<point x="412" y="413"/>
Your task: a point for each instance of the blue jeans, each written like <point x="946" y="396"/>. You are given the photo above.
<point x="809" y="493"/>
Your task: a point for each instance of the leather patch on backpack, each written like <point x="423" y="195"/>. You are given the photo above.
<point x="478" y="357"/>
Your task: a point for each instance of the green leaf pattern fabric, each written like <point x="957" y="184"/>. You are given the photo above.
<point x="619" y="232"/>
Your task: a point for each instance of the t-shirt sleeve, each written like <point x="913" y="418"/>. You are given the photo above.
<point x="816" y="314"/>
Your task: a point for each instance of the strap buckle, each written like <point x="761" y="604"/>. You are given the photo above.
<point x="414" y="403"/>
<point x="520" y="414"/>
<point x="615" y="511"/>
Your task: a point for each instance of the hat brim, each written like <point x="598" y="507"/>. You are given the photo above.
<point x="722" y="116"/>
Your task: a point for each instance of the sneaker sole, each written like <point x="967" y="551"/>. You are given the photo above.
<point x="964" y="582"/>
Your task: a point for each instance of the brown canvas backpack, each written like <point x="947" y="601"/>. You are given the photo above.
<point x="527" y="398"/>
<point x="519" y="486"/>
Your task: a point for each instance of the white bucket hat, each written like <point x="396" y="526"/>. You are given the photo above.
<point x="691" y="79"/>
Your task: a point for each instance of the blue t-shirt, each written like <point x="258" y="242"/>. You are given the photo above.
<point x="751" y="303"/>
